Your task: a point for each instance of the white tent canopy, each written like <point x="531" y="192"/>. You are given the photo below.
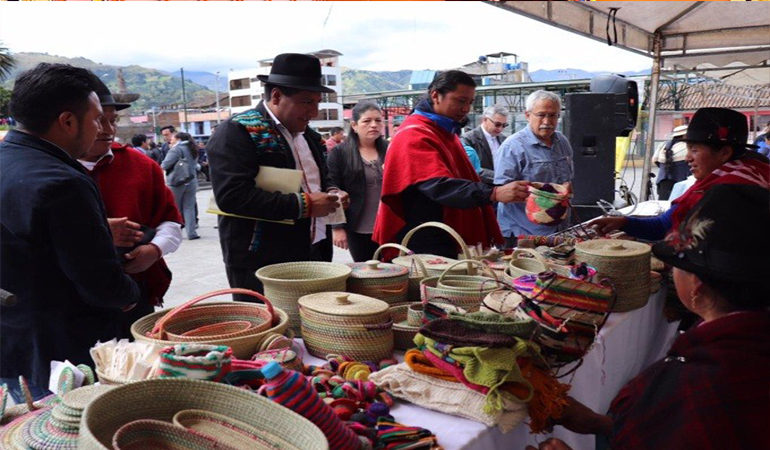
<point x="677" y="35"/>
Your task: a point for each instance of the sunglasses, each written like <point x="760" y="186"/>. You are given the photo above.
<point x="497" y="124"/>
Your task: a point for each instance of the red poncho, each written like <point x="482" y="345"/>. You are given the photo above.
<point x="741" y="171"/>
<point x="132" y="185"/>
<point x="419" y="152"/>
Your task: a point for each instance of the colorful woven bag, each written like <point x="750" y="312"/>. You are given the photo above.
<point x="196" y="361"/>
<point x="548" y="203"/>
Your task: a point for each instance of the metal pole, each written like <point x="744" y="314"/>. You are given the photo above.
<point x="654" y="79"/>
<point x="154" y="127"/>
<point x="184" y="101"/>
<point x="218" y="120"/>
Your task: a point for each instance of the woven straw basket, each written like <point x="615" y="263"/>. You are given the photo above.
<point x="625" y="263"/>
<point x="243" y="346"/>
<point x="350" y="325"/>
<point x="386" y="282"/>
<point x="285" y="283"/>
<point x="464" y="291"/>
<point x="547" y="208"/>
<point x="163" y="398"/>
<point x="436" y="265"/>
<point x="403" y="332"/>
<point x="417" y="270"/>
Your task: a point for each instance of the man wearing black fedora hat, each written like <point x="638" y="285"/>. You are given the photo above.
<point x="277" y="134"/>
<point x="716" y="154"/>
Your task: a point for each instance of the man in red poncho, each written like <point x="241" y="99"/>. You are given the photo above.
<point x="428" y="177"/>
<point x="141" y="211"/>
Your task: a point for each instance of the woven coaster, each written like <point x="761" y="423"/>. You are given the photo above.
<point x="66" y="381"/>
<point x="62" y="417"/>
<point x="39" y="434"/>
<point x="10" y="434"/>
<point x="25" y="391"/>
<point x="63" y="426"/>
<point x="88" y="373"/>
<point x="78" y="399"/>
<point x="3" y="398"/>
<point x="16" y="411"/>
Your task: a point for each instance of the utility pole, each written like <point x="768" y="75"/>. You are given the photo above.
<point x="154" y="127"/>
<point x="184" y="101"/>
<point x="217" y="86"/>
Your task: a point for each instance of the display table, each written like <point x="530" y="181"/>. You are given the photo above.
<point x="627" y="344"/>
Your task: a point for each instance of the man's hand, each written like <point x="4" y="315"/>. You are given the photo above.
<point x="141" y="258"/>
<point x="340" y="238"/>
<point x="125" y="233"/>
<point x="344" y="198"/>
<point x="551" y="444"/>
<point x="608" y="224"/>
<point x="322" y="204"/>
<point x="515" y="191"/>
<point x="579" y="418"/>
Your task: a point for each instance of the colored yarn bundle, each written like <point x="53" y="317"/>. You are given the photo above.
<point x="393" y="435"/>
<point x="532" y="241"/>
<point x="420" y="363"/>
<point x="547" y="203"/>
<point x="290" y="389"/>
<point x="196" y="361"/>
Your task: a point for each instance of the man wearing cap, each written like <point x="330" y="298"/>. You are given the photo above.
<point x="56" y="251"/>
<point x="275" y="134"/>
<point x="143" y="216"/>
<point x="716" y="153"/>
<point x="671" y="161"/>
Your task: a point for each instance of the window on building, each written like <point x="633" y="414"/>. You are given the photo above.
<point x="198" y="128"/>
<point x="330" y="80"/>
<point x="241" y="83"/>
<point x="330" y="97"/>
<point x="333" y="114"/>
<point x="241" y="100"/>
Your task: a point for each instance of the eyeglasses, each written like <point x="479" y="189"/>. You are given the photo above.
<point x="542" y="116"/>
<point x="497" y="124"/>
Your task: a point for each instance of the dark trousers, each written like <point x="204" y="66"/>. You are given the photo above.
<point x="511" y="241"/>
<point x="361" y="246"/>
<point x="664" y="189"/>
<point x="244" y="278"/>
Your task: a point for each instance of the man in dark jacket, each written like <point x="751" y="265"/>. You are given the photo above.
<point x="275" y="134"/>
<point x="486" y="139"/>
<point x="56" y="251"/>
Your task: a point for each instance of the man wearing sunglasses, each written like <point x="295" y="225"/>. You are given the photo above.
<point x="486" y="139"/>
<point x="536" y="153"/>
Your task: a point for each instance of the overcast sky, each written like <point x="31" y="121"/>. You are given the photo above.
<point x="218" y="36"/>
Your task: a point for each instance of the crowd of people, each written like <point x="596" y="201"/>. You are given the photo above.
<point x="86" y="222"/>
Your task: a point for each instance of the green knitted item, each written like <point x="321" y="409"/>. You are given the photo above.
<point x="496" y="323"/>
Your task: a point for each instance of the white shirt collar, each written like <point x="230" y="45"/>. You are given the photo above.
<point x="90" y="165"/>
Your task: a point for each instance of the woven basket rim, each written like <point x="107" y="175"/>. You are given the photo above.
<point x="342" y="269"/>
<point x="325" y="303"/>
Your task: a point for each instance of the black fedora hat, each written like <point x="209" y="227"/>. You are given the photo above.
<point x="296" y="70"/>
<point x="719" y="126"/>
<point x="727" y="243"/>
<point x="105" y="96"/>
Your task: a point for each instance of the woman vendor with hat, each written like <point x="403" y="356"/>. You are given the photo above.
<point x="713" y="388"/>
<point x="717" y="154"/>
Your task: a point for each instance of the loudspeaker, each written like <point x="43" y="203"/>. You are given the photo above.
<point x="589" y="124"/>
<point x="626" y="102"/>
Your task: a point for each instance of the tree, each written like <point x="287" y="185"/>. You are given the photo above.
<point x="5" y="99"/>
<point x="7" y="61"/>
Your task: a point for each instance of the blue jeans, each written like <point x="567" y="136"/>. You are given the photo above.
<point x="185" y="201"/>
<point x="14" y="388"/>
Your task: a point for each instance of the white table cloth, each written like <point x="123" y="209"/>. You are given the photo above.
<point x="628" y="343"/>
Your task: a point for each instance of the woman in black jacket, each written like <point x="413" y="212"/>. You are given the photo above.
<point x="355" y="166"/>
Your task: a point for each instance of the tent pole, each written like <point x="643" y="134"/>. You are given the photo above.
<point x="648" y="150"/>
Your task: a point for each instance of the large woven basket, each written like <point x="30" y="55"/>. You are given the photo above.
<point x="386" y="282"/>
<point x="285" y="283"/>
<point x="464" y="291"/>
<point x="417" y="270"/>
<point x="243" y="346"/>
<point x="187" y="324"/>
<point x="350" y="325"/>
<point x="161" y="399"/>
<point x="625" y="263"/>
<point x="436" y="265"/>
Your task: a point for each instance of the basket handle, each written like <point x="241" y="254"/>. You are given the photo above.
<point x="538" y="257"/>
<point x="448" y="229"/>
<point x="403" y="251"/>
<point x="471" y="262"/>
<point x="159" y="333"/>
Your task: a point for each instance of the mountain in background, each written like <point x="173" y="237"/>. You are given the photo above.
<point x="156" y="87"/>
<point x="206" y="79"/>
<point x="366" y="81"/>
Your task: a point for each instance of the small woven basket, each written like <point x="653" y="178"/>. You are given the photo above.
<point x="436" y="265"/>
<point x="386" y="282"/>
<point x="228" y="431"/>
<point x="547" y="203"/>
<point x="285" y="283"/>
<point x="148" y="433"/>
<point x="417" y="270"/>
<point x="161" y="399"/>
<point x="243" y="346"/>
<point x="403" y="332"/>
<point x="464" y="291"/>
<point x="350" y="325"/>
<point x="532" y="265"/>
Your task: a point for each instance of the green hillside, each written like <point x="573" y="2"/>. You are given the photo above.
<point x="364" y="81"/>
<point x="156" y="88"/>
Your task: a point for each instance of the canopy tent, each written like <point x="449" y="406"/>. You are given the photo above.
<point x="725" y="40"/>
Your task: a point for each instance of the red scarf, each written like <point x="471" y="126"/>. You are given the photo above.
<point x="419" y="152"/>
<point x="132" y="185"/>
<point x="746" y="170"/>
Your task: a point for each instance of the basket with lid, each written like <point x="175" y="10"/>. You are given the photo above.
<point x="434" y="264"/>
<point x="386" y="282"/>
<point x="286" y="282"/>
<point x="625" y="263"/>
<point x="350" y="325"/>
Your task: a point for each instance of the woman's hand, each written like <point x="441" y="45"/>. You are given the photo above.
<point x="125" y="233"/>
<point x="340" y="238"/>
<point x="608" y="224"/>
